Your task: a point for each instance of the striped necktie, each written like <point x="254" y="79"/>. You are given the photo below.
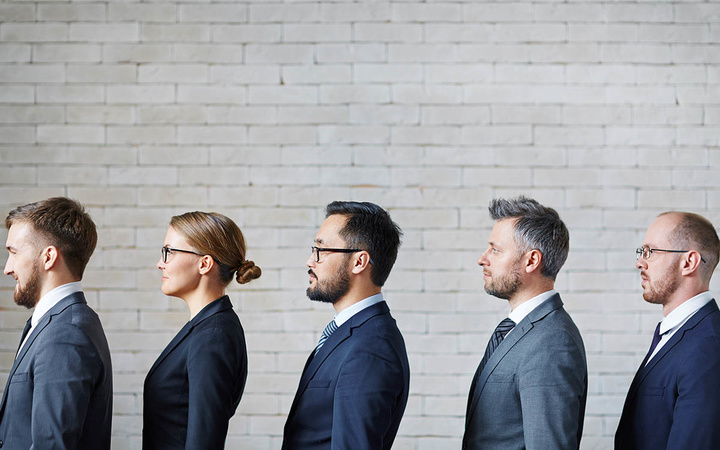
<point x="498" y="335"/>
<point x="329" y="329"/>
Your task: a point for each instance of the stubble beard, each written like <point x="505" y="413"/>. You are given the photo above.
<point x="29" y="294"/>
<point x="659" y="291"/>
<point x="505" y="286"/>
<point x="332" y="290"/>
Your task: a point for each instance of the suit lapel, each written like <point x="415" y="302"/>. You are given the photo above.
<point x="209" y="310"/>
<point x="76" y="297"/>
<point x="508" y="343"/>
<point x="643" y="371"/>
<point x="339" y="336"/>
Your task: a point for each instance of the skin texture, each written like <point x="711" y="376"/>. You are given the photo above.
<point x="23" y="265"/>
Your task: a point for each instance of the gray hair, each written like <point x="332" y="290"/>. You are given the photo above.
<point x="536" y="227"/>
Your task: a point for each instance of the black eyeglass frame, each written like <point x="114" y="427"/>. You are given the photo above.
<point x="165" y="251"/>
<point x="316" y="251"/>
<point x="640" y="251"/>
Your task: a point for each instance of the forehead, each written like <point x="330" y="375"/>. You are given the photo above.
<point x="503" y="232"/>
<point x="173" y="238"/>
<point x="330" y="229"/>
<point x="659" y="231"/>
<point x="19" y="233"/>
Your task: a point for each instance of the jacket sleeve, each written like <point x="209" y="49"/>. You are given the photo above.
<point x="552" y="386"/>
<point x="368" y="393"/>
<point x="67" y="369"/>
<point x="697" y="408"/>
<point x="212" y="378"/>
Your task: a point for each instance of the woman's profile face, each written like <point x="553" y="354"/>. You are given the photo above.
<point x="180" y="273"/>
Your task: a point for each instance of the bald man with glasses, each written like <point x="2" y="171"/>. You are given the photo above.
<point x="674" y="399"/>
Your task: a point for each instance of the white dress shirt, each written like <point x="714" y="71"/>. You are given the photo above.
<point x="47" y="302"/>
<point x="525" y="308"/>
<point x="345" y="315"/>
<point x="677" y="318"/>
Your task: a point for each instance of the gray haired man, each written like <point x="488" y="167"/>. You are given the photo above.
<point x="530" y="388"/>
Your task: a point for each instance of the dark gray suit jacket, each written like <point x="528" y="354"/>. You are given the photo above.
<point x="532" y="392"/>
<point x="59" y="392"/>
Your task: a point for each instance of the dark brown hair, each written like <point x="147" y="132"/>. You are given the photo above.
<point x="62" y="223"/>
<point x="218" y="236"/>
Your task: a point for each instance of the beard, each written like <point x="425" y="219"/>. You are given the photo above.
<point x="29" y="294"/>
<point x="330" y="291"/>
<point x="505" y="286"/>
<point x="657" y="292"/>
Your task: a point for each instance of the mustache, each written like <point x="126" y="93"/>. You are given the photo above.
<point x="310" y="272"/>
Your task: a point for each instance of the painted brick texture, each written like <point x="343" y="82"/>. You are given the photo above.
<point x="265" y="112"/>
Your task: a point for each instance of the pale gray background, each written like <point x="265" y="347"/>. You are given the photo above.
<point x="607" y="111"/>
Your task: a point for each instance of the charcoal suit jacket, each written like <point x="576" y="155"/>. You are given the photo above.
<point x="532" y="391"/>
<point x="352" y="394"/>
<point x="59" y="391"/>
<point x="674" y="400"/>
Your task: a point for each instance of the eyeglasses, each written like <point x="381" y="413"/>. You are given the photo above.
<point x="166" y="251"/>
<point x="646" y="252"/>
<point x="316" y="251"/>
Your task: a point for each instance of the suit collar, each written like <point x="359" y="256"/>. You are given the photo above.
<point x="643" y="372"/>
<point x="517" y="333"/>
<point x="62" y="305"/>
<point x="217" y="306"/>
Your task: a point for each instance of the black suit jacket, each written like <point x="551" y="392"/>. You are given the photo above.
<point x="195" y="386"/>
<point x="353" y="393"/>
<point x="674" y="401"/>
<point x="59" y="392"/>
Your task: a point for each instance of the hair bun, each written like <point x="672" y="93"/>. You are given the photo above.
<point x="247" y="272"/>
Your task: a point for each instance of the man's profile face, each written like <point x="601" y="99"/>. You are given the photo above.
<point x="501" y="261"/>
<point x="330" y="277"/>
<point x="660" y="275"/>
<point x="23" y="264"/>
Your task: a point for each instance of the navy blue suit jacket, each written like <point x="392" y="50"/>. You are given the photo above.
<point x="674" y="401"/>
<point x="352" y="394"/>
<point x="195" y="386"/>
<point x="59" y="392"/>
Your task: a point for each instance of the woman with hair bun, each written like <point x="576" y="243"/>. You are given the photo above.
<point x="195" y="386"/>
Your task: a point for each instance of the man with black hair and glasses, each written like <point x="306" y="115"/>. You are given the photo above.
<point x="674" y="399"/>
<point x="354" y="387"/>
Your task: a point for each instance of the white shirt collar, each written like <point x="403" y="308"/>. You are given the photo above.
<point x="679" y="315"/>
<point x="52" y="298"/>
<point x="525" y="308"/>
<point x="345" y="315"/>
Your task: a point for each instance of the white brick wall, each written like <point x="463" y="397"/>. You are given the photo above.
<point x="609" y="112"/>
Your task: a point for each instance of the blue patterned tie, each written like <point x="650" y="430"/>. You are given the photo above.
<point x="655" y="341"/>
<point x="329" y="329"/>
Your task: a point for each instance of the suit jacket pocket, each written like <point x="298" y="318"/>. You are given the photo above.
<point x="318" y="384"/>
<point x="19" y="378"/>
<point x="654" y="391"/>
<point x="500" y="377"/>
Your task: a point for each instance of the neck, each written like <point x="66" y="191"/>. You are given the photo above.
<point x="198" y="300"/>
<point x="525" y="293"/>
<point x="54" y="280"/>
<point x="679" y="297"/>
<point x="355" y="295"/>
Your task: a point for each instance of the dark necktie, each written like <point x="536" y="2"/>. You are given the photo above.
<point x="497" y="337"/>
<point x="655" y="341"/>
<point x="329" y="329"/>
<point x="28" y="325"/>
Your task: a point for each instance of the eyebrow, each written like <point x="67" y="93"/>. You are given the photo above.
<point x="319" y="241"/>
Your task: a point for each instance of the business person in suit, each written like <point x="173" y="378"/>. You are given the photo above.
<point x="354" y="386"/>
<point x="195" y="386"/>
<point x="530" y="388"/>
<point x="674" y="399"/>
<point x="59" y="391"/>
